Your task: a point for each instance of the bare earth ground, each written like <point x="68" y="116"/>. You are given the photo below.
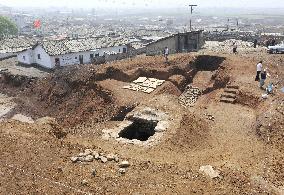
<point x="239" y="143"/>
<point x="12" y="65"/>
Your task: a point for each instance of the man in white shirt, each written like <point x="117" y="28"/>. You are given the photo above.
<point x="166" y="53"/>
<point x="258" y="70"/>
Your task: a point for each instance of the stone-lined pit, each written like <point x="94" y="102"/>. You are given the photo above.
<point x="139" y="129"/>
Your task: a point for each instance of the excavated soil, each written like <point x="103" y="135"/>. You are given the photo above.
<point x="243" y="141"/>
<point x="193" y="133"/>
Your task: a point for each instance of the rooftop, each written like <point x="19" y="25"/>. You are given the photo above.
<point x="61" y="47"/>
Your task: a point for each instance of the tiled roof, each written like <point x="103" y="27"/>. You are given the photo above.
<point x="14" y="45"/>
<point x="72" y="46"/>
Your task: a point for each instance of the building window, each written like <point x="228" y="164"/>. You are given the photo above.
<point x="124" y="50"/>
<point x="91" y="55"/>
<point x="24" y="57"/>
<point x="119" y="50"/>
<point x="97" y="55"/>
<point x="38" y="56"/>
<point x="75" y="58"/>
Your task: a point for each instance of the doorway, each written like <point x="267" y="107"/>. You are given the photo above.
<point x="81" y="59"/>
<point x="57" y="62"/>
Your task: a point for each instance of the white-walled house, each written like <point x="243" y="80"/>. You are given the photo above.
<point x="10" y="47"/>
<point x="51" y="54"/>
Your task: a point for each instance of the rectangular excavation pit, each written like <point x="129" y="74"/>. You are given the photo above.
<point x="140" y="130"/>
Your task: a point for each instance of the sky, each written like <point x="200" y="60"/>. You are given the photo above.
<point x="143" y="3"/>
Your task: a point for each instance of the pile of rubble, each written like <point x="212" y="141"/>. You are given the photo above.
<point x="227" y="45"/>
<point x="90" y="155"/>
<point x="144" y="84"/>
<point x="189" y="96"/>
<point x="209" y="117"/>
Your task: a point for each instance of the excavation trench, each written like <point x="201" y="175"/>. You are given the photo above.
<point x="73" y="97"/>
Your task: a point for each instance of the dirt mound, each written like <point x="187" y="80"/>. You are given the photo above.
<point x="112" y="73"/>
<point x="16" y="80"/>
<point x="219" y="79"/>
<point x="247" y="99"/>
<point x="69" y="98"/>
<point x="53" y="127"/>
<point x="179" y="81"/>
<point x="193" y="133"/>
<point x="167" y="88"/>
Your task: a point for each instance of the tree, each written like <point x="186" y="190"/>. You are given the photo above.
<point x="7" y="27"/>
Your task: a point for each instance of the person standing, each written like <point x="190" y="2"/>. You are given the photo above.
<point x="262" y="78"/>
<point x="235" y="48"/>
<point x="273" y="42"/>
<point x="258" y="70"/>
<point x="166" y="53"/>
<point x="255" y="43"/>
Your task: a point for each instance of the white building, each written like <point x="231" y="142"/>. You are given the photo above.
<point x="10" y="47"/>
<point x="51" y="54"/>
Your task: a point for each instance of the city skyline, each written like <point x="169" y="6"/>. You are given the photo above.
<point x="143" y="3"/>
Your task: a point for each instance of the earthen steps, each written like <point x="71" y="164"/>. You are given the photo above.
<point x="229" y="95"/>
<point x="228" y="100"/>
<point x="230" y="90"/>
<point x="232" y="87"/>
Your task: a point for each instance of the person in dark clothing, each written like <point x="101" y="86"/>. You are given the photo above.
<point x="267" y="43"/>
<point x="273" y="42"/>
<point x="254" y="43"/>
<point x="262" y="78"/>
<point x="235" y="48"/>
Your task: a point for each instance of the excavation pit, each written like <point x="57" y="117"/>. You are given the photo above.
<point x="143" y="127"/>
<point x="140" y="130"/>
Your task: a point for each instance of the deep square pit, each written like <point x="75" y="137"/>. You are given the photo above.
<point x="139" y="129"/>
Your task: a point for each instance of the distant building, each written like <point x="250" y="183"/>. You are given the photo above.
<point x="181" y="42"/>
<point x="52" y="54"/>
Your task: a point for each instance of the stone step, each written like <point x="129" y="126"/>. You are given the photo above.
<point x="230" y="90"/>
<point x="228" y="100"/>
<point x="233" y="87"/>
<point x="229" y="95"/>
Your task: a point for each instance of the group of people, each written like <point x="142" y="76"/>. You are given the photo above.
<point x="261" y="74"/>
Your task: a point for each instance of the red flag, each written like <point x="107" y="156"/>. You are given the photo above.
<point x="37" y="23"/>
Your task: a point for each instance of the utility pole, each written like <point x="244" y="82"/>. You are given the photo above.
<point x="191" y="11"/>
